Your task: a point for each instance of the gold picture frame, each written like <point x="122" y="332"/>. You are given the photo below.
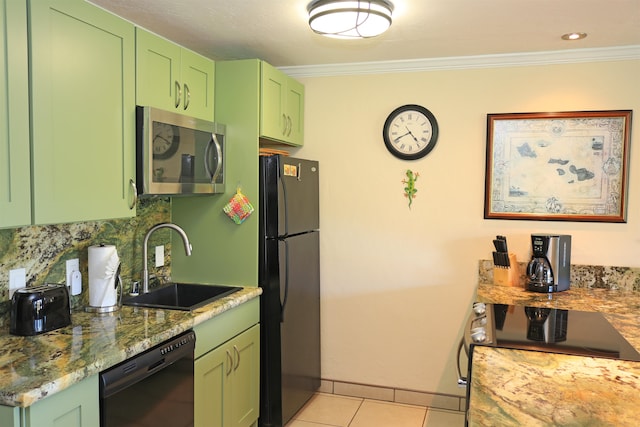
<point x="564" y="166"/>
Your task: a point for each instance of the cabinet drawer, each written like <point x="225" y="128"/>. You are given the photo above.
<point x="213" y="332"/>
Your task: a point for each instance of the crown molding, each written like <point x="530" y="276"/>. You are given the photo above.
<point x="622" y="53"/>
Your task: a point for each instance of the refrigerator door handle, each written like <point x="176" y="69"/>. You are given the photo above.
<point x="285" y="204"/>
<point x="283" y="303"/>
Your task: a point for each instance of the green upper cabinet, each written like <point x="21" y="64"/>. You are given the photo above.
<point x="15" y="178"/>
<point x="173" y="78"/>
<point x="83" y="112"/>
<point x="281" y="107"/>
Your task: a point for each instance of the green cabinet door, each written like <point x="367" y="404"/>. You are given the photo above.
<point x="76" y="406"/>
<point x="83" y="112"/>
<point x="244" y="394"/>
<point x="282" y="107"/>
<point x="227" y="383"/>
<point x="172" y="78"/>
<point x="210" y="372"/>
<point x="15" y="175"/>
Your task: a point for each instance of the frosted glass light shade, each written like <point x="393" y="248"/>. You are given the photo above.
<point x="350" y="18"/>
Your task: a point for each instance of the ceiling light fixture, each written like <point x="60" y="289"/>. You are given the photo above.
<point x="574" y="36"/>
<point x="350" y="19"/>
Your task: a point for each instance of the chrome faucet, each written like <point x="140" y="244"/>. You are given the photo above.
<point x="185" y="241"/>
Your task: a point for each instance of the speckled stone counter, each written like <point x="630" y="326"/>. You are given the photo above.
<point x="621" y="308"/>
<point x="529" y="388"/>
<point x="517" y="387"/>
<point x="32" y="368"/>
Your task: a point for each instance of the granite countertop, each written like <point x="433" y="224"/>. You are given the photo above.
<point x="517" y="387"/>
<point x="621" y="308"/>
<point x="32" y="368"/>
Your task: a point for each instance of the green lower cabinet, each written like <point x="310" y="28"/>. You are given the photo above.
<point x="77" y="406"/>
<point x="227" y="383"/>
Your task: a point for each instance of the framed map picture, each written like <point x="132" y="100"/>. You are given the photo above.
<point x="566" y="166"/>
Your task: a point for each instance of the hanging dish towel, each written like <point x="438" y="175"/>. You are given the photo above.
<point x="239" y="208"/>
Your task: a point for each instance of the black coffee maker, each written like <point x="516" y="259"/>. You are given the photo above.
<point x="550" y="266"/>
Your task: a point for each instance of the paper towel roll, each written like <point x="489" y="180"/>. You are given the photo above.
<point x="103" y="266"/>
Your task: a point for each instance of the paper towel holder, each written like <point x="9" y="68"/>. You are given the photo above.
<point x="110" y="308"/>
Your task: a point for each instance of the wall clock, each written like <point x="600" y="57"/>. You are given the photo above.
<point x="166" y="139"/>
<point x="410" y="132"/>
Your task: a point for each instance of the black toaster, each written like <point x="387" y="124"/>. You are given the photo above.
<point x="39" y="309"/>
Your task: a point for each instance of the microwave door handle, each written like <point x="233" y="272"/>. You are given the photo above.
<point x="213" y="142"/>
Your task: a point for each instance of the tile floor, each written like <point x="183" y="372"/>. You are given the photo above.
<point x="330" y="410"/>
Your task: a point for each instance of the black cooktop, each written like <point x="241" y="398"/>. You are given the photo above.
<point x="550" y="330"/>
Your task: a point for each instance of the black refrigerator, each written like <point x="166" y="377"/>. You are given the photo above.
<point x="289" y="275"/>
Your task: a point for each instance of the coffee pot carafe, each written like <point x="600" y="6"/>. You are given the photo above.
<point x="539" y="271"/>
<point x="550" y="265"/>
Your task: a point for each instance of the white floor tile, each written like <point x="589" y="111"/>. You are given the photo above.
<point x="375" y="413"/>
<point x="437" y="418"/>
<point x="329" y="409"/>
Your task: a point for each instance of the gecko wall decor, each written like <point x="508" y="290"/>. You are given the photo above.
<point x="410" y="189"/>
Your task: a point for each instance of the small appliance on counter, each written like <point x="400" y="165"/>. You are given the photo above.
<point x="104" y="279"/>
<point x="550" y="267"/>
<point x="39" y="309"/>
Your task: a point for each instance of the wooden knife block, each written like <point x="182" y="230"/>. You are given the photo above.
<point x="507" y="276"/>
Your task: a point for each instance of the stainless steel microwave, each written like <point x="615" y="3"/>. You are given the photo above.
<point x="177" y="154"/>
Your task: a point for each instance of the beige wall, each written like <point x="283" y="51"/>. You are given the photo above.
<point x="397" y="283"/>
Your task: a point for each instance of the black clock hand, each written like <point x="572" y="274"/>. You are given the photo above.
<point x="409" y="133"/>
<point x="162" y="138"/>
<point x="398" y="138"/>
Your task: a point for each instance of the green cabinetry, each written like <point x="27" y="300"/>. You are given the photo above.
<point x="77" y="406"/>
<point x="15" y="178"/>
<point x="248" y="94"/>
<point x="83" y="118"/>
<point x="221" y="248"/>
<point x="281" y="107"/>
<point x="227" y="369"/>
<point x="173" y="78"/>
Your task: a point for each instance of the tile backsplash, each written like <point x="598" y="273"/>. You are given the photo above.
<point x="44" y="250"/>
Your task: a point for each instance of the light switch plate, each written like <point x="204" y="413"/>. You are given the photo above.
<point x="159" y="256"/>
<point x="17" y="280"/>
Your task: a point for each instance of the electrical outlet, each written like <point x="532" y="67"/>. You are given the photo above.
<point x="17" y="280"/>
<point x="72" y="265"/>
<point x="74" y="278"/>
<point x="159" y="256"/>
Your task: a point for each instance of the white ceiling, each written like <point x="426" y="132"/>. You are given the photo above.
<point x="277" y="30"/>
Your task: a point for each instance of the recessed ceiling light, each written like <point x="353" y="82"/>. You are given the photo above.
<point x="574" y="36"/>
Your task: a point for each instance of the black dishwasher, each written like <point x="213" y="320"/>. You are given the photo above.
<point x="153" y="388"/>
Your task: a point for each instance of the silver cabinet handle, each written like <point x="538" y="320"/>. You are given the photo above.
<point x="229" y="363"/>
<point x="237" y="352"/>
<point x="462" y="381"/>
<point x="284" y="124"/>
<point x="178" y="93"/>
<point x="187" y="96"/>
<point x="290" y="125"/>
<point x="134" y="190"/>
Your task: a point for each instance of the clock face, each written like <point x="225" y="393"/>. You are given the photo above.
<point x="410" y="132"/>
<point x="165" y="140"/>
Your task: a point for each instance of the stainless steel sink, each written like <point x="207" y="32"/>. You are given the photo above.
<point x="181" y="296"/>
